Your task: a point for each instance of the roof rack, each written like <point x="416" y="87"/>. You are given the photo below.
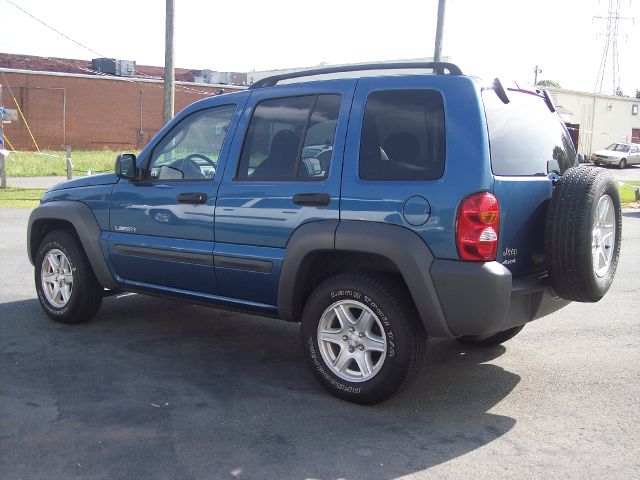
<point x="438" y="67"/>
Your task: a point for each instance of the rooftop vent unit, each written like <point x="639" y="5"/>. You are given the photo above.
<point x="111" y="66"/>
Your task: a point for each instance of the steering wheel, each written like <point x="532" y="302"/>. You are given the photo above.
<point x="189" y="159"/>
<point x="191" y="156"/>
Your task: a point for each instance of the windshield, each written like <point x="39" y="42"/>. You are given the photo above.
<point x="618" y="147"/>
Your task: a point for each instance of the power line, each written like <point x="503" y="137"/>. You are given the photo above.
<point x="54" y="29"/>
<point x="138" y="72"/>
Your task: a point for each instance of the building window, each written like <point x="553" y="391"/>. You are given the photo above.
<point x="634" y="109"/>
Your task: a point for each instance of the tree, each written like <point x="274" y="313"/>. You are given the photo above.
<point x="619" y="92"/>
<point x="637" y="93"/>
<point x="548" y="84"/>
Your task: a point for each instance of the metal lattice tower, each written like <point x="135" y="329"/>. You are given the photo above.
<point x="609" y="62"/>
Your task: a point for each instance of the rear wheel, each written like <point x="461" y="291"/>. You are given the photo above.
<point x="491" y="340"/>
<point x="361" y="337"/>
<point x="65" y="283"/>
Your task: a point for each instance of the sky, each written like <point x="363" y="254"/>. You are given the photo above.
<point x="487" y="38"/>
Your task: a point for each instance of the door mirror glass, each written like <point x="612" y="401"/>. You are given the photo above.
<point x="126" y="166"/>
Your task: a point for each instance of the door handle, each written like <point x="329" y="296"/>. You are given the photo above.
<point x="192" y="197"/>
<point x="312" y="199"/>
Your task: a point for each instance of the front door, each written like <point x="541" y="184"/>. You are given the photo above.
<point x="284" y="170"/>
<point x="162" y="231"/>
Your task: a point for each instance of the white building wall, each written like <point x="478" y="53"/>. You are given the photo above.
<point x="603" y="119"/>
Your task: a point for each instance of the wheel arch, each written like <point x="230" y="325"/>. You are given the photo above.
<point x="320" y="249"/>
<point x="77" y="218"/>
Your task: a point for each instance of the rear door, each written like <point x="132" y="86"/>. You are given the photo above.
<point x="530" y="146"/>
<point x="284" y="171"/>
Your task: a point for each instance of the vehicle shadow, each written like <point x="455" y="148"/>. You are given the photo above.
<point x="631" y="213"/>
<point x="153" y="388"/>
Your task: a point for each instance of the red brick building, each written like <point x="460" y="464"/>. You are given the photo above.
<point x="66" y="103"/>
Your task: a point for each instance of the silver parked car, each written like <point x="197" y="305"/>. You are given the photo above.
<point x="620" y="154"/>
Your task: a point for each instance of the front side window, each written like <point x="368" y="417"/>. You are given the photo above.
<point x="290" y="138"/>
<point x="403" y="136"/>
<point x="190" y="151"/>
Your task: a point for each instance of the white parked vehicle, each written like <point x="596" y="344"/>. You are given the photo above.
<point x="620" y="154"/>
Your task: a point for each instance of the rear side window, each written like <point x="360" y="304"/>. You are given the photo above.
<point x="290" y="138"/>
<point x="524" y="135"/>
<point x="403" y="136"/>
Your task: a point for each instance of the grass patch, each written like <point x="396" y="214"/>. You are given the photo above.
<point x="12" y="197"/>
<point x="46" y="164"/>
<point x="627" y="195"/>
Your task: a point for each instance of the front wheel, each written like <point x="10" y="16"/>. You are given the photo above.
<point x="66" y="285"/>
<point x="361" y="337"/>
<point x="622" y="164"/>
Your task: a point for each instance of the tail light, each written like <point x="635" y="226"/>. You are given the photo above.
<point x="477" y="227"/>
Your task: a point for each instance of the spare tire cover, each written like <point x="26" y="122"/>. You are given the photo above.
<point x="583" y="233"/>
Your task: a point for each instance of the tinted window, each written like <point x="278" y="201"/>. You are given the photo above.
<point x="190" y="151"/>
<point x="524" y="135"/>
<point x="290" y="138"/>
<point x="403" y="136"/>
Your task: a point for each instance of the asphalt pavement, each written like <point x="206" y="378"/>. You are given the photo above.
<point x="34" y="182"/>
<point x="157" y="389"/>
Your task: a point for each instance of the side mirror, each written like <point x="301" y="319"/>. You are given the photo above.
<point x="553" y="166"/>
<point x="126" y="166"/>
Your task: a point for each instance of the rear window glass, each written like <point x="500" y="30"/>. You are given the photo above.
<point x="524" y="135"/>
<point x="403" y="136"/>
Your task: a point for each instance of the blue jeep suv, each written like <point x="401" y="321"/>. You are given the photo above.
<point x="376" y="210"/>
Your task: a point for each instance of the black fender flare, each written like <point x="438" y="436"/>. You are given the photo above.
<point x="80" y="216"/>
<point x="408" y="252"/>
<point x="307" y="240"/>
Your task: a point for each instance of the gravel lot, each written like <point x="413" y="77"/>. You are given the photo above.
<point x="158" y="389"/>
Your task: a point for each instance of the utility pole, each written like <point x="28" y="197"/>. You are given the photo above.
<point x="169" y="73"/>
<point x="437" y="54"/>
<point x="536" y="71"/>
<point x="3" y="168"/>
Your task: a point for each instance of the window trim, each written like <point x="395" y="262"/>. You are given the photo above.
<point x="146" y="177"/>
<point x="295" y="178"/>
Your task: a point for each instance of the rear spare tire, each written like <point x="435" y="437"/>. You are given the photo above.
<point x="583" y="233"/>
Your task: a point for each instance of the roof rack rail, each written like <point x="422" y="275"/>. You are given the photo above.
<point x="438" y="67"/>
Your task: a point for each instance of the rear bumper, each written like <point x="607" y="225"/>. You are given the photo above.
<point x="483" y="298"/>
